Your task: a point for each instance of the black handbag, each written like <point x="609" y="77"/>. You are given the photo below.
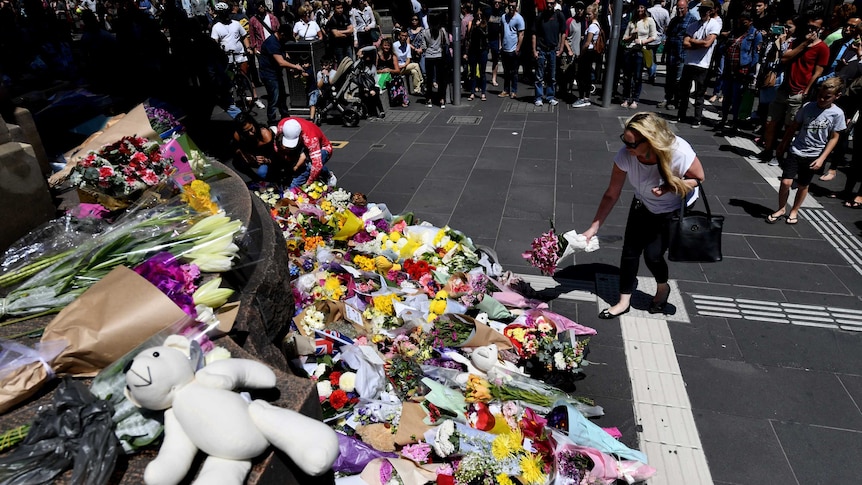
<point x="695" y="237"/>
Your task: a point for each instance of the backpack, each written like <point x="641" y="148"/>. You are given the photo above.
<point x="599" y="42"/>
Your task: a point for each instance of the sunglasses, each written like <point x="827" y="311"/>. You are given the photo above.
<point x="631" y="145"/>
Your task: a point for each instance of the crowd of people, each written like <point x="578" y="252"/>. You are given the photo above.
<point x="761" y="60"/>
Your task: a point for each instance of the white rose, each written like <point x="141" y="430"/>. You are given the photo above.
<point x="324" y="389"/>
<point x="347" y="382"/>
<point x="319" y="370"/>
<point x="559" y="361"/>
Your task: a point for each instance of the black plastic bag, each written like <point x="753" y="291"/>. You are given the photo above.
<point x="76" y="431"/>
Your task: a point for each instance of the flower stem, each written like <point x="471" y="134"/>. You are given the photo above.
<point x="30" y="317"/>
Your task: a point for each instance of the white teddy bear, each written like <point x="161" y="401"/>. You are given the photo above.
<point x="202" y="412"/>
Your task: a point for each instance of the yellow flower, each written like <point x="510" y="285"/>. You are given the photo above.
<point x="478" y="389"/>
<point x="503" y="479"/>
<point x="449" y="245"/>
<point x="364" y="263"/>
<point x="531" y="469"/>
<point x="384" y="303"/>
<point x="197" y="195"/>
<point x="518" y="334"/>
<point x="333" y="288"/>
<point x="394" y="236"/>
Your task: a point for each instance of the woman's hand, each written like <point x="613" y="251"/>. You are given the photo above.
<point x="660" y="190"/>
<point x="589" y="233"/>
<point x="262" y="160"/>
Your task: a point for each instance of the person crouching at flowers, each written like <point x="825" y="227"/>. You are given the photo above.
<point x="663" y="169"/>
<point x="253" y="147"/>
<point x="302" y="150"/>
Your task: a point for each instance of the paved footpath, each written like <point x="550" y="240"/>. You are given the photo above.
<point x="755" y="375"/>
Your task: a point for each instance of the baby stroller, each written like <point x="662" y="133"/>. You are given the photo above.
<point x="344" y="94"/>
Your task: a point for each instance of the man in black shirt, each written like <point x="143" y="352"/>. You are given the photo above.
<point x="340" y="33"/>
<point x="549" y="34"/>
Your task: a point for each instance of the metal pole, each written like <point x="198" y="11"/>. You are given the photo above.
<point x="614" y="44"/>
<point x="455" y="13"/>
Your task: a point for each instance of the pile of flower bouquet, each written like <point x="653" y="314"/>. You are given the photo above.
<point x="428" y="358"/>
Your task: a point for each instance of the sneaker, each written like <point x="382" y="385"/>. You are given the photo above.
<point x="633" y="105"/>
<point x="773" y="162"/>
<point x="581" y="103"/>
<point x="670" y="106"/>
<point x="625" y="104"/>
<point x="538" y="102"/>
<point x="765" y="156"/>
<point x="429" y="104"/>
<point x="696" y="124"/>
<point x="259" y="104"/>
<point x="553" y="102"/>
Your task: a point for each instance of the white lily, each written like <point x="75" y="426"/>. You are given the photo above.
<point x="211" y="295"/>
<point x="214" y="255"/>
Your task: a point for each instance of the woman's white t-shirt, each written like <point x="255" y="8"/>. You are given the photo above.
<point x="306" y="31"/>
<point x="646" y="177"/>
<point x="593" y="29"/>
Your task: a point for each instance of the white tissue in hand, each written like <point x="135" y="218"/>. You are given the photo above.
<point x="578" y="242"/>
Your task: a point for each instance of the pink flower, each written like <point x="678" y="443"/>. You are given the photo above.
<point x="139" y="157"/>
<point x="149" y="177"/>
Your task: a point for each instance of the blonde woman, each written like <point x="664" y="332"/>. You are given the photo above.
<point x="306" y="29"/>
<point x="663" y="169"/>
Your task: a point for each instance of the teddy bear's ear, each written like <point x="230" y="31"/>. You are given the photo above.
<point x="178" y="342"/>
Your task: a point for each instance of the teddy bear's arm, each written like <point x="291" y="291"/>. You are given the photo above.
<point x="175" y="456"/>
<point x="231" y="374"/>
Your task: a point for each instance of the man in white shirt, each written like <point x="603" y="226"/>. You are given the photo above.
<point x="404" y="55"/>
<point x="699" y="43"/>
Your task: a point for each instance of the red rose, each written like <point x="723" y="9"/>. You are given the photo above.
<point x="333" y="378"/>
<point x="105" y="172"/>
<point x="337" y="399"/>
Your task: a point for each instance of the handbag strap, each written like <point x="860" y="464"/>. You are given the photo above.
<point x="702" y="197"/>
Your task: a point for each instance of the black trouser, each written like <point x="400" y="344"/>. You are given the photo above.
<point x="647" y="234"/>
<point x="697" y="75"/>
<point x="671" y="82"/>
<point x="585" y="72"/>
<point x="436" y="69"/>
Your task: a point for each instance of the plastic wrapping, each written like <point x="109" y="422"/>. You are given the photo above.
<point x="75" y="431"/>
<point x="51" y="238"/>
<point x="14" y="355"/>
<point x="354" y="455"/>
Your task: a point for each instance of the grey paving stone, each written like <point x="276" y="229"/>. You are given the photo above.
<point x="403" y="180"/>
<point x="849" y="278"/>
<point x="737" y="290"/>
<point x="618" y="414"/>
<point x="358" y="182"/>
<point x="530" y="202"/>
<point x="452" y="167"/>
<point x="474" y="130"/>
<point x="408" y="128"/>
<point x="534" y="172"/>
<point x="467" y="146"/>
<point x="481" y="219"/>
<point x="607" y="374"/>
<point x="436" y="219"/>
<point x="755" y="456"/>
<point x="395" y="202"/>
<point x="795" y="276"/>
<point x="541" y="129"/>
<point x="704" y="337"/>
<point x="515" y="237"/>
<point x="498" y="158"/>
<point x="811" y="448"/>
<point x="755" y="208"/>
<point x="853" y="384"/>
<point x="797" y="347"/>
<point x="437" y="134"/>
<point x="504" y="137"/>
<point x="768" y="393"/>
<point x="510" y="123"/>
<point x="488" y="184"/>
<point x="802" y="251"/>
<point x="421" y="155"/>
<point x="737" y="246"/>
<point x="437" y="196"/>
<point x="539" y="148"/>
<point x="340" y="167"/>
<point x="378" y="162"/>
<point x="750" y="225"/>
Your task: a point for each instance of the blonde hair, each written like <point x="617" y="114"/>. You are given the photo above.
<point x="304" y="9"/>
<point x="593" y="9"/>
<point x="661" y="141"/>
<point x="834" y="84"/>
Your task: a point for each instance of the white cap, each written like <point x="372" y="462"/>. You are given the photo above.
<point x="290" y="132"/>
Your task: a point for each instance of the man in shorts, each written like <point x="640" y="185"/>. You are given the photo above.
<point x="807" y="59"/>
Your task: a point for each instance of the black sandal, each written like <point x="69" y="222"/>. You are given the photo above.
<point x="607" y="315"/>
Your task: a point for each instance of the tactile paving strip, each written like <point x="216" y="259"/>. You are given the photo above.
<point x="668" y="433"/>
<point x="845" y="242"/>
<point x="779" y="312"/>
<point x="515" y="106"/>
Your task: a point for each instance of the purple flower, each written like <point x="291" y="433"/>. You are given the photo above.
<point x="358" y="211"/>
<point x="176" y="280"/>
